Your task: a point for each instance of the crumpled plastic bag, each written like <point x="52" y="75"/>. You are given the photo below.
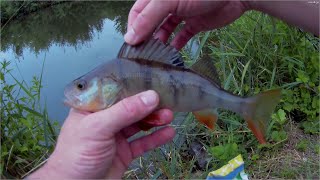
<point x="233" y="170"/>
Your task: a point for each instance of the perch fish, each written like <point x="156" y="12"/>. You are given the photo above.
<point x="154" y="65"/>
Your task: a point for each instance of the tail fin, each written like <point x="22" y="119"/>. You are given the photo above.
<point x="258" y="112"/>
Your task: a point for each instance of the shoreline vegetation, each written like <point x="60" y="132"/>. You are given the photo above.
<point x="27" y="135"/>
<point x="253" y="54"/>
<point x="12" y="10"/>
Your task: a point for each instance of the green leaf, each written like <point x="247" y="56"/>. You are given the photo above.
<point x="255" y="157"/>
<point x="278" y="136"/>
<point x="25" y="122"/>
<point x="280" y="117"/>
<point x="288" y="106"/>
<point x="224" y="152"/>
<point x="302" y="145"/>
<point x="24" y="148"/>
<point x="217" y="150"/>
<point x="302" y="77"/>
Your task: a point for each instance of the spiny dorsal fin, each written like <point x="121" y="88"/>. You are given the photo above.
<point x="205" y="67"/>
<point x="153" y="50"/>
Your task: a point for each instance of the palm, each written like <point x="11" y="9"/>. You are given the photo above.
<point x="123" y="156"/>
<point x="213" y="19"/>
<point x="126" y="151"/>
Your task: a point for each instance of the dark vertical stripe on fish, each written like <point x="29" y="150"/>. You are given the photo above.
<point x="220" y="94"/>
<point x="173" y="86"/>
<point x="182" y="86"/>
<point x="122" y="75"/>
<point x="201" y="93"/>
<point x="147" y="75"/>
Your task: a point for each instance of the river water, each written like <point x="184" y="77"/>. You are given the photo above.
<point x="70" y="39"/>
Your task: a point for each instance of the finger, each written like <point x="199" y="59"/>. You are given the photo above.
<point x="158" y="118"/>
<point x="130" y="131"/>
<point x="167" y="28"/>
<point x="135" y="10"/>
<point x="148" y="19"/>
<point x="186" y="33"/>
<point x="154" y="120"/>
<point x="76" y="111"/>
<point x="76" y="115"/>
<point x="124" y="113"/>
<point x="152" y="141"/>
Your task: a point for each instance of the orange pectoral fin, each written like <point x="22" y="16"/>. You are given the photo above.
<point x="208" y="117"/>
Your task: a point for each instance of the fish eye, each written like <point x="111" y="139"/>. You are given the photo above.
<point x="81" y="85"/>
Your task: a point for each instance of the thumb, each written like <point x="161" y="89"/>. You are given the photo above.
<point x="125" y="113"/>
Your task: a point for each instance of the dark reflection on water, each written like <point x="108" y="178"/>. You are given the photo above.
<point x="72" y="38"/>
<point x="64" y="24"/>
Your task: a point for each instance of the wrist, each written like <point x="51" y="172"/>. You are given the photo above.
<point x="47" y="171"/>
<point x="43" y="172"/>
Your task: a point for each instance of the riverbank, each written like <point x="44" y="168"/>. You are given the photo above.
<point x="11" y="10"/>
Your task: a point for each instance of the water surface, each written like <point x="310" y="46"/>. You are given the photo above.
<point x="70" y="38"/>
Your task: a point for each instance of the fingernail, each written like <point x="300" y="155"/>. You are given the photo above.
<point x="130" y="37"/>
<point x="149" y="98"/>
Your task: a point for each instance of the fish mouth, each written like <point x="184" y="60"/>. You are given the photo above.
<point x="66" y="102"/>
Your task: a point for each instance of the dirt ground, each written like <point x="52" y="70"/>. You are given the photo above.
<point x="290" y="161"/>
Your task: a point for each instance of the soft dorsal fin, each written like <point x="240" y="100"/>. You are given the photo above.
<point x="205" y="67"/>
<point x="153" y="50"/>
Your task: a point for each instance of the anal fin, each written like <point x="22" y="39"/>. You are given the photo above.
<point x="207" y="117"/>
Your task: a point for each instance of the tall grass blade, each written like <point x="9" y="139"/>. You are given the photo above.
<point x="40" y="79"/>
<point x="202" y="43"/>
<point x="223" y="62"/>
<point x="49" y="124"/>
<point x="244" y="74"/>
<point x="157" y="174"/>
<point x="235" y="42"/>
<point x="230" y="54"/>
<point x="227" y="82"/>
<point x="22" y="87"/>
<point x="33" y="112"/>
<point x="273" y="76"/>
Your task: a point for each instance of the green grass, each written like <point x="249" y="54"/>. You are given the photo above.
<point x="252" y="55"/>
<point x="27" y="135"/>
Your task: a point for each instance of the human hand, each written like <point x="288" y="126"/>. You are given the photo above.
<point x="96" y="146"/>
<point x="146" y="15"/>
